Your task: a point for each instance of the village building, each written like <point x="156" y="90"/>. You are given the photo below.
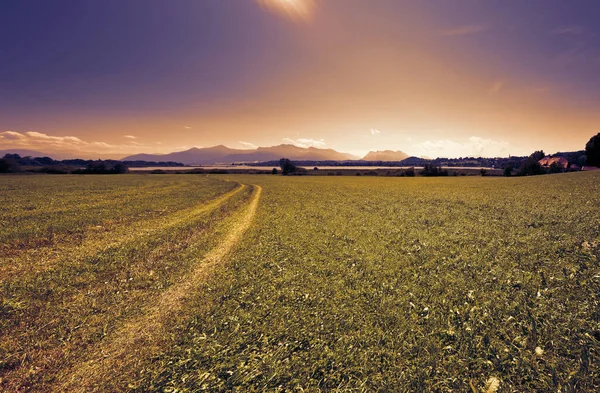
<point x="547" y="161"/>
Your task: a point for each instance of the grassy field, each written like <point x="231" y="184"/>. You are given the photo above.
<point x="258" y="283"/>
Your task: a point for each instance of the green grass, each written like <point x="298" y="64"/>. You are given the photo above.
<point x="340" y="284"/>
<point x="58" y="300"/>
<point x="39" y="208"/>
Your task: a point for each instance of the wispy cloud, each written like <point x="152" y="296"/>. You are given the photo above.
<point x="39" y="137"/>
<point x="11" y="136"/>
<point x="303" y="142"/>
<point x="472" y="147"/>
<point x="375" y="131"/>
<point x="566" y="30"/>
<point x="464" y="30"/>
<point x="248" y="144"/>
<point x="497" y="86"/>
<point x="130" y="137"/>
<point x="187" y="127"/>
<point x="52" y="144"/>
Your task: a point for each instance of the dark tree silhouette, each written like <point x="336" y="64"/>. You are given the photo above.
<point x="4" y="165"/>
<point x="538" y="155"/>
<point x="287" y="166"/>
<point x="592" y="151"/>
<point x="120" y="168"/>
<point x="530" y="167"/>
<point x="433" y="170"/>
<point x="103" y="167"/>
<point x="9" y="165"/>
<point x="96" y="167"/>
<point x="556" y="167"/>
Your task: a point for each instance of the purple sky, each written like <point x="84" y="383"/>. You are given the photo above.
<point x="448" y="78"/>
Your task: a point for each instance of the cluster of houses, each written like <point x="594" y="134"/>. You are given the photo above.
<point x="562" y="162"/>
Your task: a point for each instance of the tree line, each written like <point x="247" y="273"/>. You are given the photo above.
<point x="13" y="163"/>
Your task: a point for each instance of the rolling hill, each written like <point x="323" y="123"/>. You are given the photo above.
<point x="25" y="153"/>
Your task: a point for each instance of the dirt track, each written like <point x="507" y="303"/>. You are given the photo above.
<point x="142" y="337"/>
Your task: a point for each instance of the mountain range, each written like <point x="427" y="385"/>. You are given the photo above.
<point x="224" y="155"/>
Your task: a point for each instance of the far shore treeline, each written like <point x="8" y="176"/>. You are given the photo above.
<point x="14" y="163"/>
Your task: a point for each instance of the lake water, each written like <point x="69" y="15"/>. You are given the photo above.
<point x="268" y="168"/>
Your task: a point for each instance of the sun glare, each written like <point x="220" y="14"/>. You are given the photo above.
<point x="294" y="9"/>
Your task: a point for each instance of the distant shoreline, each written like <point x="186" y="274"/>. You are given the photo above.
<point x="309" y="168"/>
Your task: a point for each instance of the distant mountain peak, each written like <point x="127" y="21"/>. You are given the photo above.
<point x="385" y="155"/>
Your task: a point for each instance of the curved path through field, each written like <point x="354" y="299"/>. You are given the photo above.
<point x="104" y="241"/>
<point x="141" y="337"/>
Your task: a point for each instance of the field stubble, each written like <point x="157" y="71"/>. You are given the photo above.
<point x="403" y="285"/>
<point x="341" y="284"/>
<point x="55" y="311"/>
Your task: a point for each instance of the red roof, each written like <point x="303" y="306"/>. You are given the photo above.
<point x="547" y="161"/>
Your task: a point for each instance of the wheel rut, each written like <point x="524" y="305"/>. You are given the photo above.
<point x="141" y="337"/>
<point x="113" y="240"/>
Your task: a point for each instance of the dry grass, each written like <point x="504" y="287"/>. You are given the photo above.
<point x="401" y="285"/>
<point x="339" y="284"/>
<point x="128" y="348"/>
<point x="60" y="301"/>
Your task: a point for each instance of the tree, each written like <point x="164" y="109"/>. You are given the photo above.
<point x="433" y="170"/>
<point x="8" y="165"/>
<point x="120" y="168"/>
<point x="530" y="167"/>
<point x="4" y="165"/>
<point x="44" y="161"/>
<point x="274" y="171"/>
<point x="538" y="155"/>
<point x="592" y="151"/>
<point x="556" y="167"/>
<point x="96" y="167"/>
<point x="508" y="170"/>
<point x="287" y="166"/>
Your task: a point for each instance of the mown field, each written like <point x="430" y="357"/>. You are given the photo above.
<point x="183" y="283"/>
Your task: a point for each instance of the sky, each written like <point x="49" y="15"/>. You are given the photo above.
<point x="109" y="78"/>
